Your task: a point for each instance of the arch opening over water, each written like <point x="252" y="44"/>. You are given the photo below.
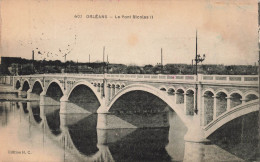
<point x="54" y="94"/>
<point x="239" y="136"/>
<point x="26" y="86"/>
<point x="140" y="109"/>
<point x="82" y="96"/>
<point x="18" y="84"/>
<point x="37" y="88"/>
<point x="138" y="102"/>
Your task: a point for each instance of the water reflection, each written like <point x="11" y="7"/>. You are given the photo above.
<point x="142" y="144"/>
<point x="24" y="105"/>
<point x="239" y="137"/>
<point x="74" y="137"/>
<point x="84" y="135"/>
<point x="36" y="111"/>
<point x="53" y="119"/>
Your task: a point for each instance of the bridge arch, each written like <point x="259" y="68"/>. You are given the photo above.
<point x="25" y="85"/>
<point x="154" y="91"/>
<point x="18" y="84"/>
<point x="230" y="115"/>
<point x="171" y="91"/>
<point x="221" y="102"/>
<point x="36" y="85"/>
<point x="189" y="90"/>
<point x="209" y="90"/>
<point x="89" y="85"/>
<point x="57" y="82"/>
<point x="189" y="94"/>
<point x="54" y="92"/>
<point x="122" y="85"/>
<point x="235" y="98"/>
<point x="236" y="91"/>
<point x="251" y="95"/>
<point x="208" y="102"/>
<point x="37" y="80"/>
<point x="163" y="88"/>
<point x="180" y="95"/>
<point x="223" y="91"/>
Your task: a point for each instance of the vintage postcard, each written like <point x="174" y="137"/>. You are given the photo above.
<point x="129" y="80"/>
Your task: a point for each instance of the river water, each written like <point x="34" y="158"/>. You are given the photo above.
<point x="29" y="134"/>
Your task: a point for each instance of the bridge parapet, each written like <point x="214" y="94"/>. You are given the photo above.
<point x="231" y="79"/>
<point x="203" y="79"/>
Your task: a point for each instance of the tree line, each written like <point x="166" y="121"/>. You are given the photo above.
<point x="25" y="67"/>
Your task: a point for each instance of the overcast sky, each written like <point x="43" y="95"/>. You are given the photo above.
<point x="227" y="30"/>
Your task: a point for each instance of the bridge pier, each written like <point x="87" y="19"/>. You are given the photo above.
<point x="29" y="93"/>
<point x="194" y="152"/>
<point x="43" y="98"/>
<point x="64" y="104"/>
<point x="20" y="91"/>
<point x="195" y="131"/>
<point x="42" y="112"/>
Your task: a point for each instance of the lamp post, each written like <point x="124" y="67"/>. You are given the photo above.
<point x="107" y="64"/>
<point x="161" y="62"/>
<point x="104" y="81"/>
<point x="197" y="60"/>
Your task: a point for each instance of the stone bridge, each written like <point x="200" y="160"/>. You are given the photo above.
<point x="220" y="98"/>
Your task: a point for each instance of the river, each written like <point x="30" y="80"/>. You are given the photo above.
<point x="29" y="134"/>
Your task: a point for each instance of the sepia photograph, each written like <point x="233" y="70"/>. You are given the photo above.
<point x="129" y="80"/>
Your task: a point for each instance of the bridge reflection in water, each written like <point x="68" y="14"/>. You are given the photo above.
<point x="131" y="101"/>
<point x="76" y="137"/>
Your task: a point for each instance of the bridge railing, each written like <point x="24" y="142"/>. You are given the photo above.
<point x="121" y="76"/>
<point x="245" y="79"/>
<point x="229" y="79"/>
<point x="151" y="77"/>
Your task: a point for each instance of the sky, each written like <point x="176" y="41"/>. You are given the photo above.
<point x="227" y="30"/>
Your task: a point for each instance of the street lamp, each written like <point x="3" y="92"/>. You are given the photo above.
<point x="197" y="60"/>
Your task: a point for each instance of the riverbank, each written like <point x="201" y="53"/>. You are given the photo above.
<point x="4" y="88"/>
<point x="7" y="90"/>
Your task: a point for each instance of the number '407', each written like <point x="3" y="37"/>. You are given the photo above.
<point x="77" y="16"/>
